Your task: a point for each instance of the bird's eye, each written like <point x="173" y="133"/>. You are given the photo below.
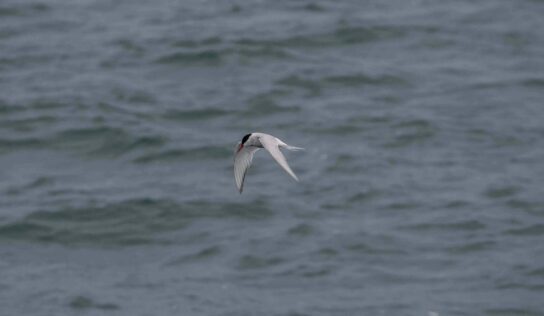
<point x="245" y="138"/>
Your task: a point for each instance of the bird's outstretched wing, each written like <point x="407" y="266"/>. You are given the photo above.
<point x="271" y="144"/>
<point x="242" y="161"/>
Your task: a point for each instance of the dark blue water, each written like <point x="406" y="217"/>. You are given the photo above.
<point x="422" y="186"/>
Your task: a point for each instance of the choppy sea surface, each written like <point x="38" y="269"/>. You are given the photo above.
<point x="422" y="186"/>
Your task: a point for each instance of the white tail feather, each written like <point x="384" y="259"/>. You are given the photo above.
<point x="293" y="148"/>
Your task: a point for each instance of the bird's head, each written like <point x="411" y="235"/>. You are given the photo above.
<point x="241" y="144"/>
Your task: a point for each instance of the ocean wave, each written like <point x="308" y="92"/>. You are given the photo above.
<point x="125" y="223"/>
<point x="203" y="57"/>
<point x="342" y="35"/>
<point x="529" y="230"/>
<point x="196" y="114"/>
<point x="193" y="154"/>
<point x="467" y="225"/>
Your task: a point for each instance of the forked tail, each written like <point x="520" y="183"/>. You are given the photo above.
<point x="293" y="148"/>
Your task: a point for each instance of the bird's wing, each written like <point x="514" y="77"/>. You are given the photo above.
<point x="242" y="161"/>
<point x="270" y="143"/>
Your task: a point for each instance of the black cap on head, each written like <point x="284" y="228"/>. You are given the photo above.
<point x="245" y="138"/>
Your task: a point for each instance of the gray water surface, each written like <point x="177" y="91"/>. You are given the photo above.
<point x="422" y="186"/>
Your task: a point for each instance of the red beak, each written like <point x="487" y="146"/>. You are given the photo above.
<point x="240" y="148"/>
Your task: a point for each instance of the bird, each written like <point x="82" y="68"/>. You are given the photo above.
<point x="251" y="143"/>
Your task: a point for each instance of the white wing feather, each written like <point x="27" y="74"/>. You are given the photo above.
<point x="271" y="144"/>
<point x="242" y="161"/>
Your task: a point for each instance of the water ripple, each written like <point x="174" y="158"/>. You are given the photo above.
<point x="132" y="222"/>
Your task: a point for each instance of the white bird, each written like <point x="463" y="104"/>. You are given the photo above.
<point x="245" y="150"/>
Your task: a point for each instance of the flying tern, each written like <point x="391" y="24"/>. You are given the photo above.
<point x="250" y="144"/>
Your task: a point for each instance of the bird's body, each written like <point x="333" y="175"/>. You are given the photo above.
<point x="250" y="144"/>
